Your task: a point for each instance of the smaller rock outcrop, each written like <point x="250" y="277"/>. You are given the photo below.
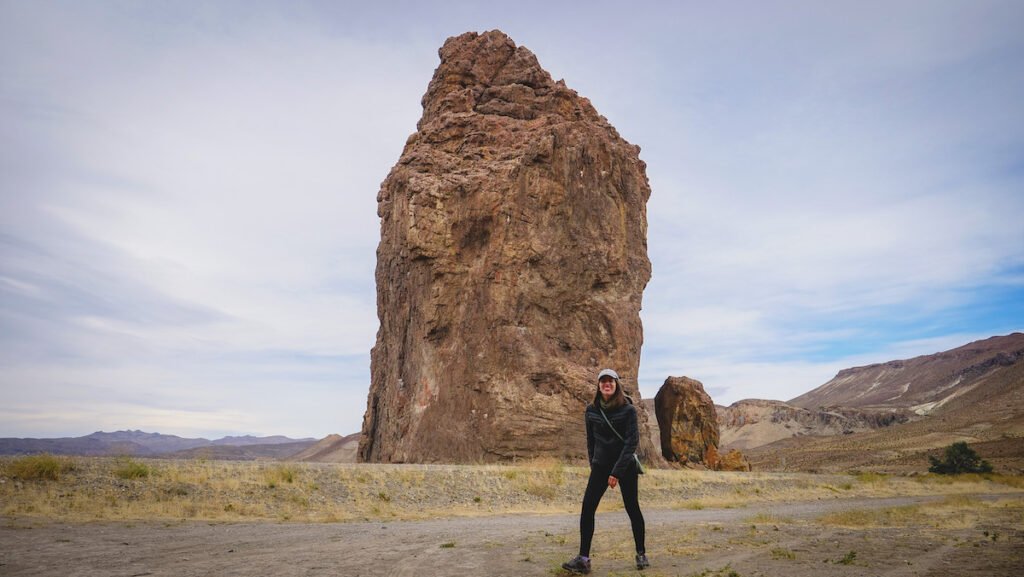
<point x="687" y="422"/>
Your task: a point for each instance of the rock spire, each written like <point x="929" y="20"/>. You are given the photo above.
<point x="511" y="266"/>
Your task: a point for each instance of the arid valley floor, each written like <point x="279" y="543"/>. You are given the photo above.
<point x="220" y="518"/>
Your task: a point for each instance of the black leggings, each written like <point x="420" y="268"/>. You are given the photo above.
<point x="596" y="487"/>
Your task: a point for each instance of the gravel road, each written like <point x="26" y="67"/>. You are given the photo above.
<point x="774" y="539"/>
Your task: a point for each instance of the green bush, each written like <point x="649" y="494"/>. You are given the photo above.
<point x="959" y="459"/>
<point x="131" y="469"/>
<point x="44" y="467"/>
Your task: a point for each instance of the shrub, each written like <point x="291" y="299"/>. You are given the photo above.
<point x="131" y="469"/>
<point x="44" y="467"/>
<point x="780" y="553"/>
<point x="280" y="474"/>
<point x="847" y="559"/>
<point x="959" y="459"/>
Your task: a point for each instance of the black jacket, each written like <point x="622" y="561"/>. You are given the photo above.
<point x="604" y="447"/>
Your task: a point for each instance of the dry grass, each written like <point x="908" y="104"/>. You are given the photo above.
<point x="43" y="467"/>
<point x="86" y="489"/>
<point x="1015" y="481"/>
<point x="953" y="512"/>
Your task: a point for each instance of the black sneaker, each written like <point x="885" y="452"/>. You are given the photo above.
<point x="578" y="564"/>
<point x="642" y="562"/>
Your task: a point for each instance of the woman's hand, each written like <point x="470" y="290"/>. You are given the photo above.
<point x="612" y="482"/>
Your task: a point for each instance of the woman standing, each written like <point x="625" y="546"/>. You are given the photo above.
<point x="612" y="437"/>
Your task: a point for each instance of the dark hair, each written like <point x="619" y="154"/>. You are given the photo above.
<point x="618" y="397"/>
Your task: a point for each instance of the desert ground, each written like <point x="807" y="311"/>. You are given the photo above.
<point x="472" y="520"/>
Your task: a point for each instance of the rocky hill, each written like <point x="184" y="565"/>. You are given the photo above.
<point x="974" y="393"/>
<point x="511" y="266"/>
<point x="923" y="384"/>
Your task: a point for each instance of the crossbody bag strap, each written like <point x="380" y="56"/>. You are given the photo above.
<point x="610" y="425"/>
<point x="639" y="465"/>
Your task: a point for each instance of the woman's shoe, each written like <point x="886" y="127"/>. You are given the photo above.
<point x="642" y="562"/>
<point x="578" y="564"/>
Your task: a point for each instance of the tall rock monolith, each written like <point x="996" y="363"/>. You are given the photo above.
<point x="510" y="270"/>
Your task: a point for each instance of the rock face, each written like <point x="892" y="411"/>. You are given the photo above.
<point x="687" y="421"/>
<point x="754" y="422"/>
<point x="511" y="266"/>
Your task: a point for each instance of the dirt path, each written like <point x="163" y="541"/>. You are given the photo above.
<point x="775" y="539"/>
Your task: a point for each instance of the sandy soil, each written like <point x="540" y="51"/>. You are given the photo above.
<point x="774" y="539"/>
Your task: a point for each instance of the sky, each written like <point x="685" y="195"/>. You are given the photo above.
<point x="188" y="193"/>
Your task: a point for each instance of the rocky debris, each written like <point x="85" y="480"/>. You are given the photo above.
<point x="687" y="421"/>
<point x="754" y="422"/>
<point x="510" y="269"/>
<point x="731" y="461"/>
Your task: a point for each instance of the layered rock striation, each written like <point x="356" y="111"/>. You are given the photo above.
<point x="511" y="266"/>
<point x="754" y="422"/>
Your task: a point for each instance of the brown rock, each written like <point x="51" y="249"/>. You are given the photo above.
<point x="733" y="461"/>
<point x="687" y="420"/>
<point x="510" y="269"/>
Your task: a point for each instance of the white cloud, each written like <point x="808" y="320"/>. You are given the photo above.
<point x="188" y="201"/>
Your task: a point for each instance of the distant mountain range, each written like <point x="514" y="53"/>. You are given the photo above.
<point x="142" y="444"/>
<point x="886" y="416"/>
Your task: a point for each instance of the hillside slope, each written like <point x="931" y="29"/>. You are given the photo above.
<point x="331" y="449"/>
<point x="924" y="384"/>
<point x="974" y="393"/>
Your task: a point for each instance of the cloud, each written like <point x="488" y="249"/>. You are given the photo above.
<point x="841" y="189"/>
<point x="191" y="206"/>
<point x="188" y="194"/>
